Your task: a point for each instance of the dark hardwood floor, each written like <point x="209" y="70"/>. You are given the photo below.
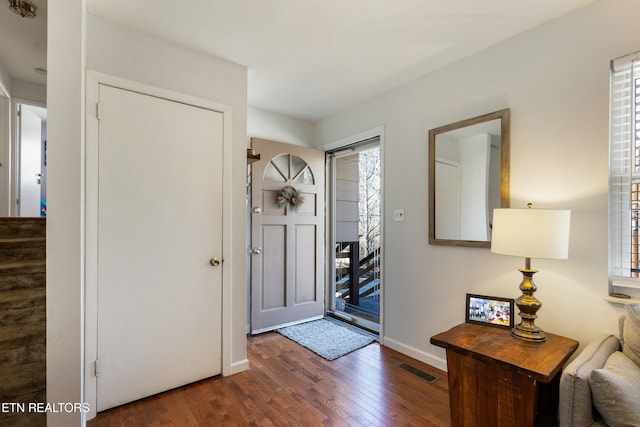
<point x="289" y="385"/>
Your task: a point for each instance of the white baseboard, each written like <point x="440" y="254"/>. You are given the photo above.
<point x="237" y="367"/>
<point x="420" y="355"/>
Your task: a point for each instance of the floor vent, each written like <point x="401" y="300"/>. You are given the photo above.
<point x="418" y="373"/>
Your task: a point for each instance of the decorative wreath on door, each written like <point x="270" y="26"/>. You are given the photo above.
<point x="291" y="197"/>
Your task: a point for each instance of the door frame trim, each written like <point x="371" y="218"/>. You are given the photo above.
<point x="378" y="131"/>
<point x="90" y="202"/>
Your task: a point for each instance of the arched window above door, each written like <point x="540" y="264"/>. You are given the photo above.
<point x="289" y="168"/>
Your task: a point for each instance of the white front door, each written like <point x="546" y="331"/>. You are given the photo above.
<point x="287" y="261"/>
<point x="30" y="163"/>
<point x="159" y="230"/>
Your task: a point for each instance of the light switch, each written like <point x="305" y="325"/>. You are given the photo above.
<point x="398" y="215"/>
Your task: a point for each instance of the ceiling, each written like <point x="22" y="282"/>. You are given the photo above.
<point x="305" y="58"/>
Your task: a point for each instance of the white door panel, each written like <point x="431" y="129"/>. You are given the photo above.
<point x="159" y="224"/>
<point x="30" y="163"/>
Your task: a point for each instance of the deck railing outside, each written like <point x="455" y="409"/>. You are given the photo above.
<point x="357" y="280"/>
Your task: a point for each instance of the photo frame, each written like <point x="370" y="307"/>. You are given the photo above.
<point x="490" y="311"/>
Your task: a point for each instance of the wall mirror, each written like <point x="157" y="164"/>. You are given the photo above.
<point x="468" y="178"/>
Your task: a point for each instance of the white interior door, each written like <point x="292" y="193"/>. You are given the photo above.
<point x="30" y="163"/>
<point x="159" y="228"/>
<point x="447" y="200"/>
<point x="287" y="261"/>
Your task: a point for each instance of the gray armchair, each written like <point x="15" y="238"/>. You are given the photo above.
<point x="601" y="385"/>
<point x="576" y="407"/>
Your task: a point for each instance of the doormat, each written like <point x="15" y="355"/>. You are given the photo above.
<point x="325" y="338"/>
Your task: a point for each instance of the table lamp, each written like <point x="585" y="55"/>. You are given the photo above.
<point x="530" y="233"/>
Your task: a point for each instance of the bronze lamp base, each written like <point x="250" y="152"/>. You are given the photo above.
<point x="528" y="306"/>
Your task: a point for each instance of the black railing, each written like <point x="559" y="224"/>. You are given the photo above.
<point x="361" y="277"/>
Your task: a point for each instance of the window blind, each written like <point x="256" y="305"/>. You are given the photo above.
<point x="624" y="168"/>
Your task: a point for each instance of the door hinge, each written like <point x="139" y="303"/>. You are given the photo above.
<point x="98" y="110"/>
<point x="97" y="368"/>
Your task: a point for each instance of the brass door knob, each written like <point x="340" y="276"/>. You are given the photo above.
<point x="214" y="261"/>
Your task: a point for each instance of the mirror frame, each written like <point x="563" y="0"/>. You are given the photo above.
<point x="505" y="200"/>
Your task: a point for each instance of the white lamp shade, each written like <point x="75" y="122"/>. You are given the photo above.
<point x="531" y="233"/>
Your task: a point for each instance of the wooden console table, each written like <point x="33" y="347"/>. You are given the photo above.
<point x="498" y="380"/>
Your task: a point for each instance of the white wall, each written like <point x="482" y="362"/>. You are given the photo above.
<point x="5" y="162"/>
<point x="35" y="93"/>
<point x="555" y="80"/>
<point x="5" y="81"/>
<point x="65" y="237"/>
<point x="111" y="49"/>
<point x="123" y="53"/>
<point x="277" y="127"/>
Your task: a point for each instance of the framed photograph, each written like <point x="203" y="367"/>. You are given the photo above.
<point x="490" y="311"/>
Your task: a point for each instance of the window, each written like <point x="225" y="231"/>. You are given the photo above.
<point x="624" y="175"/>
<point x="288" y="167"/>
